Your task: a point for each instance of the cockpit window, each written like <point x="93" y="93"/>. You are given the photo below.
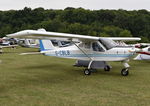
<point x="54" y="42"/>
<point x="149" y="49"/>
<point x="61" y="43"/>
<point x="97" y="47"/>
<point x="65" y="43"/>
<point x="85" y="45"/>
<point x="107" y="43"/>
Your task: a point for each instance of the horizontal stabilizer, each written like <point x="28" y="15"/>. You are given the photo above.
<point x="30" y="53"/>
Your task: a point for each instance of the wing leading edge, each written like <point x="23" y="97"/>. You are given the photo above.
<point x="38" y="34"/>
<point x="34" y="34"/>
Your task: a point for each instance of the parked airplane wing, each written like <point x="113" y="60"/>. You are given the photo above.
<point x="124" y="38"/>
<point x="10" y="46"/>
<point x="39" y="34"/>
<point x="33" y="34"/>
<point x="142" y="57"/>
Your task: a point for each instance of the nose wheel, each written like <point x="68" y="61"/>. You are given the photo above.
<point x="107" y="68"/>
<point x="125" y="72"/>
<point x="87" y="72"/>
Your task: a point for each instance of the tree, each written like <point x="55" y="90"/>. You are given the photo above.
<point x="118" y="23"/>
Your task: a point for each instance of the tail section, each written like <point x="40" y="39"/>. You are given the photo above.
<point x="46" y="45"/>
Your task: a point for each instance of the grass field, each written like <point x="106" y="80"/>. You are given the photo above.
<point x="37" y="80"/>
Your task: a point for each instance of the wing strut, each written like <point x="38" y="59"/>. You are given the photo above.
<point x="91" y="60"/>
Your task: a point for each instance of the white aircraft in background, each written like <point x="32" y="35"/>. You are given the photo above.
<point x="144" y="54"/>
<point x="10" y="46"/>
<point x="142" y="45"/>
<point x="30" y="43"/>
<point x="91" y="52"/>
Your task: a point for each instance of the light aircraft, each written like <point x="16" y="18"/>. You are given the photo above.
<point x="144" y="54"/>
<point x="7" y="43"/>
<point x="10" y="46"/>
<point x="142" y="45"/>
<point x="91" y="52"/>
<point x="30" y="43"/>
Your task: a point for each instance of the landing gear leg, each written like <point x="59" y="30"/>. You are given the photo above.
<point x="125" y="71"/>
<point x="89" y="70"/>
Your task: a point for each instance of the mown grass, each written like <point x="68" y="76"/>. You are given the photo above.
<point x="37" y="80"/>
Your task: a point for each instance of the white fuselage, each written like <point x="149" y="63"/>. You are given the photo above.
<point x="73" y="52"/>
<point x="144" y="55"/>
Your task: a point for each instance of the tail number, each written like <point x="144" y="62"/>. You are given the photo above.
<point x="62" y="53"/>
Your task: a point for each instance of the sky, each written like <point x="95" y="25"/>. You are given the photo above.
<point x="87" y="4"/>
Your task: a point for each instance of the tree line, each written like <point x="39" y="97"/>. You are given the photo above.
<point x="101" y="23"/>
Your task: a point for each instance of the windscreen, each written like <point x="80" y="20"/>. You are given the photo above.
<point x="107" y="43"/>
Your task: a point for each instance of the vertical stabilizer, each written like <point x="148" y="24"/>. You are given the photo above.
<point x="46" y="45"/>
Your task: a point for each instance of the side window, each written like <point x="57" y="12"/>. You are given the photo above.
<point x="149" y="49"/>
<point x="87" y="45"/>
<point x="54" y="42"/>
<point x="97" y="47"/>
<point x="81" y="45"/>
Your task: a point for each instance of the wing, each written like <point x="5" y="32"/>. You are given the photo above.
<point x="142" y="57"/>
<point x="124" y="38"/>
<point x="34" y="34"/>
<point x="40" y="34"/>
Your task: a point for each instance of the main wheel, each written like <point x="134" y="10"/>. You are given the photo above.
<point x="107" y="68"/>
<point x="125" y="72"/>
<point x="87" y="72"/>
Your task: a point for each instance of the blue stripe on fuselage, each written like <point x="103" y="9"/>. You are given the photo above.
<point x="92" y="55"/>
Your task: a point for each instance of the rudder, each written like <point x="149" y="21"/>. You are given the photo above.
<point x="46" y="45"/>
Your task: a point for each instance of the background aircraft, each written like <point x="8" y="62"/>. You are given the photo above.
<point x="144" y="54"/>
<point x="90" y="52"/>
<point x="10" y="46"/>
<point x="31" y="43"/>
<point x="7" y="43"/>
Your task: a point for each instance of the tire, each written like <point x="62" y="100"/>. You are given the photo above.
<point x="106" y="68"/>
<point x="125" y="72"/>
<point x="87" y="72"/>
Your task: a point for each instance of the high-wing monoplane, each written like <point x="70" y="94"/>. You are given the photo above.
<point x="90" y="52"/>
<point x="144" y="54"/>
<point x="29" y="43"/>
